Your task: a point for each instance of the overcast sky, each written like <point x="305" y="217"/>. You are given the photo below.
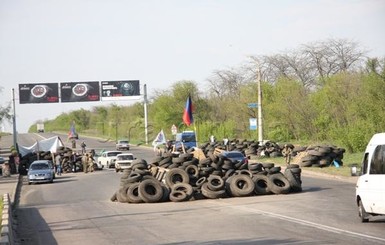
<point x="161" y="42"/>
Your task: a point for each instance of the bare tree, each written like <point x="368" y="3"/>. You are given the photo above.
<point x="312" y="62"/>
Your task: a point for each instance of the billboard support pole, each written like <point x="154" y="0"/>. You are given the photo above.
<point x="145" y="112"/>
<point x="14" y="120"/>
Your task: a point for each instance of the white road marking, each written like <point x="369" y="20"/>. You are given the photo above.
<point x="304" y="222"/>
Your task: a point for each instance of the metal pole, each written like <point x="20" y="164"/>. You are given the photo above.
<point x="145" y="112"/>
<point x="14" y="119"/>
<point x="260" y="131"/>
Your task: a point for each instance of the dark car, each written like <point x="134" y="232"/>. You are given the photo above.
<point x="234" y="156"/>
<point x="41" y="171"/>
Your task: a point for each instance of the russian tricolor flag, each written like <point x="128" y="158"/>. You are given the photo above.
<point x="187" y="114"/>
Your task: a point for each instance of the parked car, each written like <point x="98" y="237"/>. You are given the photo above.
<point x="107" y="159"/>
<point x="235" y="156"/>
<point x="41" y="171"/>
<point x="122" y="145"/>
<point x="123" y="161"/>
<point x="370" y="187"/>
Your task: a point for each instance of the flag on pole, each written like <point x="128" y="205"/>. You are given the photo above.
<point x="72" y="131"/>
<point x="187" y="114"/>
<point x="160" y="139"/>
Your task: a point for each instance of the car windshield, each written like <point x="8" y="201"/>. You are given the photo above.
<point x="37" y="166"/>
<point x="234" y="155"/>
<point x="123" y="142"/>
<point x="112" y="154"/>
<point x="125" y="157"/>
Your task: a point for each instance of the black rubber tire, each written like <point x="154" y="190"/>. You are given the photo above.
<point x="121" y="195"/>
<point x="192" y="171"/>
<point x="295" y="184"/>
<point x="241" y="185"/>
<point x="274" y="170"/>
<point x="364" y="216"/>
<point x="292" y="165"/>
<point x="255" y="166"/>
<point x="178" y="196"/>
<point x="262" y="184"/>
<point x="307" y="163"/>
<point x="206" y="192"/>
<point x="166" y="193"/>
<point x="245" y="172"/>
<point x="200" y="181"/>
<point x="279" y="184"/>
<point x="134" y="177"/>
<point x="267" y="165"/>
<point x="133" y="193"/>
<point x="150" y="190"/>
<point x="187" y="188"/>
<point x="215" y="183"/>
<point x="176" y="175"/>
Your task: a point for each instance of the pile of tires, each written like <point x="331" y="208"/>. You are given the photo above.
<point x="320" y="156"/>
<point x="184" y="177"/>
<point x="250" y="148"/>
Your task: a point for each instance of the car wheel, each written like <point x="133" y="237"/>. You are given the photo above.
<point x="362" y="213"/>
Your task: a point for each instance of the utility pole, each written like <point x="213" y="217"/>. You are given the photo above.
<point x="260" y="131"/>
<point x="145" y="112"/>
<point x="14" y="119"/>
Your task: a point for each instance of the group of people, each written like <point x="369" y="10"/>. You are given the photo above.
<point x="87" y="160"/>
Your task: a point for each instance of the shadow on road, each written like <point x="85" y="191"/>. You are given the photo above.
<point x="313" y="189"/>
<point x="32" y="229"/>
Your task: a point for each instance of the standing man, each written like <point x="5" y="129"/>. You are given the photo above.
<point x="90" y="163"/>
<point x="287" y="151"/>
<point x="83" y="145"/>
<point x="58" y="164"/>
<point x="85" y="163"/>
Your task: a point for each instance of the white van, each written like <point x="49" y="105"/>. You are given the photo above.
<point x="370" y="188"/>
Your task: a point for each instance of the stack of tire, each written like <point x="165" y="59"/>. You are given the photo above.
<point x="188" y="178"/>
<point x="320" y="156"/>
<point x="252" y="149"/>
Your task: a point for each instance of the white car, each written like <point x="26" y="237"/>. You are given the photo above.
<point x="122" y="145"/>
<point x="370" y="187"/>
<point x="123" y="161"/>
<point x="107" y="159"/>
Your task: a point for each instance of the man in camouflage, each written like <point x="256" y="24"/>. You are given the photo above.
<point x="85" y="162"/>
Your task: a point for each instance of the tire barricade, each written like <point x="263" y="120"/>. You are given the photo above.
<point x="183" y="177"/>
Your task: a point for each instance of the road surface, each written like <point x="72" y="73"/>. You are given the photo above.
<point x="76" y="209"/>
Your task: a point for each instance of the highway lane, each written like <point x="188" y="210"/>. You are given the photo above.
<point x="76" y="209"/>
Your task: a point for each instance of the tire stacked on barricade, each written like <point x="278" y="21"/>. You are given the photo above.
<point x="320" y="156"/>
<point x="183" y="177"/>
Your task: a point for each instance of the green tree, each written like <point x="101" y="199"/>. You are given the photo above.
<point x="5" y="111"/>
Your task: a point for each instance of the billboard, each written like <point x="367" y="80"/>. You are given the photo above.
<point x="38" y="93"/>
<point x="119" y="90"/>
<point x="79" y="91"/>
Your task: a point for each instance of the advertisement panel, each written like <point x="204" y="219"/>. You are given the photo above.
<point x="80" y="91"/>
<point x="38" y="93"/>
<point x="119" y="90"/>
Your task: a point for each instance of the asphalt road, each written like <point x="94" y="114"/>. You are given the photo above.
<point x="76" y="209"/>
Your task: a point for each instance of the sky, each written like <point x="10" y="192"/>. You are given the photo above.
<point x="160" y="42"/>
